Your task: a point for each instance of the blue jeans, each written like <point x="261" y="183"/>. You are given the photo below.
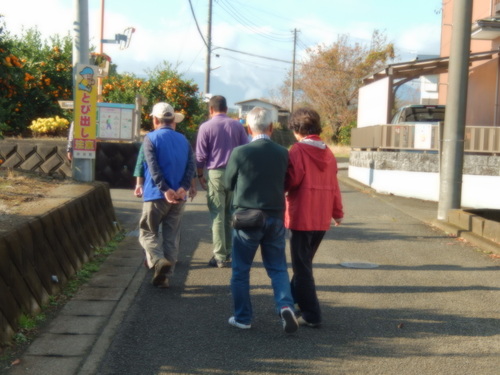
<point x="271" y="239"/>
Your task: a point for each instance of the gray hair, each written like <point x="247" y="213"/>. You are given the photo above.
<point x="259" y="120"/>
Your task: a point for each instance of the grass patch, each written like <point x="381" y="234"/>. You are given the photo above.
<point x="29" y="326"/>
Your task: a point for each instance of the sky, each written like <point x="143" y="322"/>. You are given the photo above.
<point x="260" y="33"/>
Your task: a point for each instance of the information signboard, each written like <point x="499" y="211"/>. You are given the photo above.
<point x="115" y="121"/>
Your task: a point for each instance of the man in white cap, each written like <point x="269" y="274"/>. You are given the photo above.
<point x="168" y="170"/>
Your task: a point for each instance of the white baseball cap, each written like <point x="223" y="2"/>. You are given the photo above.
<point x="165" y="111"/>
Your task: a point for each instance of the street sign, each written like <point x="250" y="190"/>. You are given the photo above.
<point x="66" y="104"/>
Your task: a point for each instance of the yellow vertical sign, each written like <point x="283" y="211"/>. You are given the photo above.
<point x="85" y="134"/>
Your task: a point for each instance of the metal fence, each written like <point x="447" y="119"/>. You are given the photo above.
<point x="477" y="139"/>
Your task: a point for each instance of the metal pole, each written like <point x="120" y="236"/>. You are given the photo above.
<point x="292" y="87"/>
<point x="209" y="48"/>
<point x="101" y="50"/>
<point x="82" y="169"/>
<point x="450" y="190"/>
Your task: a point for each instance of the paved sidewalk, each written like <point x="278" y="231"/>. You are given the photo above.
<point x="75" y="341"/>
<point x="431" y="305"/>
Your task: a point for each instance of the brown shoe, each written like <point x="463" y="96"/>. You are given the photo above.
<point x="165" y="284"/>
<point x="161" y="268"/>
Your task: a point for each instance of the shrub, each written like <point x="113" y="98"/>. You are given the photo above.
<point x="52" y="126"/>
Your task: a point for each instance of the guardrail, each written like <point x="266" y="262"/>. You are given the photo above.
<point x="425" y="137"/>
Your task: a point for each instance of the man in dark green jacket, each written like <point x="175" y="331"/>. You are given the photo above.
<point x="256" y="174"/>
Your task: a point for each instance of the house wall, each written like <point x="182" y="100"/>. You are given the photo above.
<point x="481" y="106"/>
<point x="373" y="103"/>
<point x="483" y="75"/>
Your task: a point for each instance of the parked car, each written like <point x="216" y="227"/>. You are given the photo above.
<point x="419" y="113"/>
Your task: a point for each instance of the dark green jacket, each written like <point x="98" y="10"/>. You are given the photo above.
<point x="256" y="173"/>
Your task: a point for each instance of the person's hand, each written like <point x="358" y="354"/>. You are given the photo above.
<point x="138" y="191"/>
<point x="180" y="194"/>
<point x="203" y="182"/>
<point x="337" y="221"/>
<point x="171" y="196"/>
<point x="70" y="156"/>
<point x="192" y="191"/>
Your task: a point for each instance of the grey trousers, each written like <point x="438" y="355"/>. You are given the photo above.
<point x="156" y="214"/>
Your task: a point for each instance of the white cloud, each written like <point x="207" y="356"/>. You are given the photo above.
<point x="422" y="39"/>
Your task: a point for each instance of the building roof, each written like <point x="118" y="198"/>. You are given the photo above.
<point x="413" y="69"/>
<point x="257" y="100"/>
<point x="486" y="29"/>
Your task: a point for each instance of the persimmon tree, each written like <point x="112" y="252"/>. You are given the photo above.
<point x="38" y="73"/>
<point x="163" y="84"/>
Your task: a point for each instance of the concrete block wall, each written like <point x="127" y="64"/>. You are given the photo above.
<point x="38" y="258"/>
<point x="115" y="162"/>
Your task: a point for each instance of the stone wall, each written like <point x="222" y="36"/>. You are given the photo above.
<point x="479" y="165"/>
<point x="39" y="257"/>
<point x="417" y="175"/>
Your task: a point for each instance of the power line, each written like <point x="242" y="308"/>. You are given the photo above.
<point x="197" y="26"/>
<point x="249" y="24"/>
<point x="283" y="61"/>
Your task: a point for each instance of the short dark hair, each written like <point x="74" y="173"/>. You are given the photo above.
<point x="218" y="103"/>
<point x="305" y="121"/>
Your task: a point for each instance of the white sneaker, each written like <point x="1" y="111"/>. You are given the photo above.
<point x="234" y="323"/>
<point x="290" y="323"/>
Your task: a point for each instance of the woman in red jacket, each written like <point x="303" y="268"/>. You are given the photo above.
<point x="313" y="200"/>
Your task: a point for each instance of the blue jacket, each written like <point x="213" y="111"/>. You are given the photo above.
<point x="169" y="163"/>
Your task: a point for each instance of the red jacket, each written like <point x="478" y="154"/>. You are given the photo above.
<point x="313" y="190"/>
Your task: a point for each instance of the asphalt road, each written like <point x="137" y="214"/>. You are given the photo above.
<point x="431" y="305"/>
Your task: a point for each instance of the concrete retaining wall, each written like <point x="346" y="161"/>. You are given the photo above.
<point x="38" y="258"/>
<point x="115" y="162"/>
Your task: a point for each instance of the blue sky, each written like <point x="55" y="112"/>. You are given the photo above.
<point x="166" y="31"/>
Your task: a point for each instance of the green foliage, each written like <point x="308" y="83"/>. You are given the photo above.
<point x="29" y="322"/>
<point x="344" y="135"/>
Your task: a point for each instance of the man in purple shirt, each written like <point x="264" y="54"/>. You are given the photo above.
<point x="216" y="139"/>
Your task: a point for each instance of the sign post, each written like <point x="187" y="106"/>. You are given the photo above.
<point x="84" y="138"/>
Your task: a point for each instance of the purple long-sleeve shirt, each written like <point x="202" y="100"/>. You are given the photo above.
<point x="216" y="139"/>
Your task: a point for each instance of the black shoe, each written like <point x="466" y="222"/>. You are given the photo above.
<point x="304" y="322"/>
<point x="216" y="263"/>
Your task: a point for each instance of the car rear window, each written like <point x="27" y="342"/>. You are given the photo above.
<point x="423" y="114"/>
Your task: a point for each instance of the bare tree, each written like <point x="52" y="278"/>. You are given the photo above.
<point x="332" y="75"/>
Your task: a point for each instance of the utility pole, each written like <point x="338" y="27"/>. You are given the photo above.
<point x="100" y="51"/>
<point x="292" y="87"/>
<point x="82" y="169"/>
<point x="450" y="190"/>
<point x="209" y="48"/>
